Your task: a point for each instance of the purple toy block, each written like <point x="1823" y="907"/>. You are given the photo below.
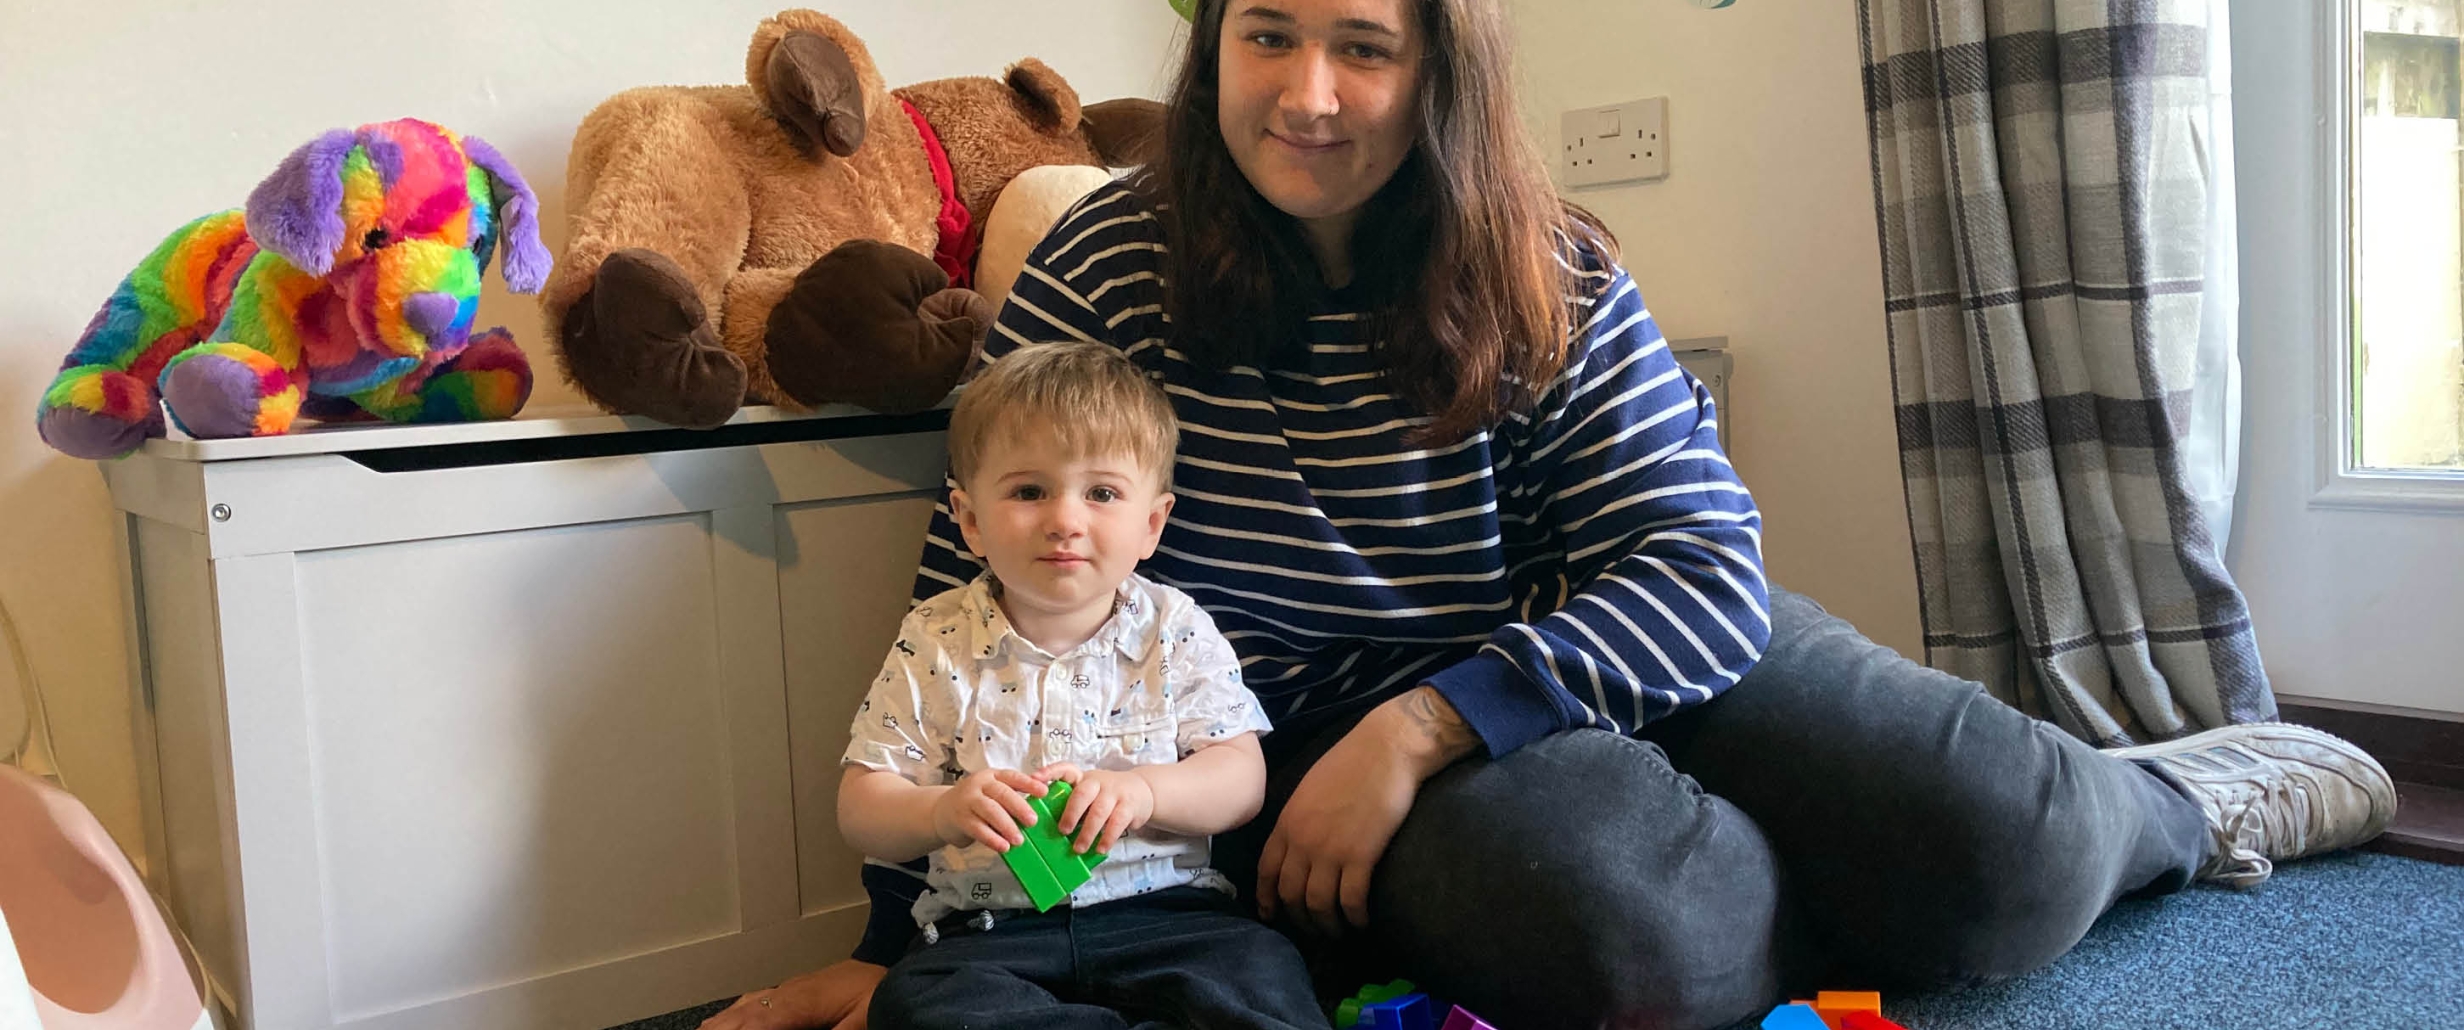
<point x="1409" y="1012"/>
<point x="1462" y="1020"/>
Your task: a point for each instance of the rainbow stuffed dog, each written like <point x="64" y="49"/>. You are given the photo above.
<point x="343" y="291"/>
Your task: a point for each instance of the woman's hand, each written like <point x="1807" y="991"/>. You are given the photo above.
<point x="986" y="807"/>
<point x="1103" y="804"/>
<point x="1318" y="861"/>
<point x="838" y="997"/>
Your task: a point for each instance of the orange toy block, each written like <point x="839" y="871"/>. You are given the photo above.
<point x="1835" y="1006"/>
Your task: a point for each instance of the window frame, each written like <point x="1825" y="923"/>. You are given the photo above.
<point x="2341" y="480"/>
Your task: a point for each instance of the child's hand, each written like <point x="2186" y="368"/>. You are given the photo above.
<point x="987" y="807"/>
<point x="1103" y="804"/>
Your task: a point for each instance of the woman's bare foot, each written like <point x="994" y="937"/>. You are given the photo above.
<point x="837" y="997"/>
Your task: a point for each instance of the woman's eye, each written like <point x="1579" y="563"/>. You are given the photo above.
<point x="1270" y="40"/>
<point x="1365" y="52"/>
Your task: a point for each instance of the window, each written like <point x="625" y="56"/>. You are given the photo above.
<point x="2407" y="371"/>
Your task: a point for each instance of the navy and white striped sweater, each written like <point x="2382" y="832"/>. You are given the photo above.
<point x="1594" y="562"/>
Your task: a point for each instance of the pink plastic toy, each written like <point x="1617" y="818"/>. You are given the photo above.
<point x="1461" y="1020"/>
<point x="93" y="949"/>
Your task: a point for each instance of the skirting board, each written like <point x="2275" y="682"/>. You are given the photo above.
<point x="2424" y="751"/>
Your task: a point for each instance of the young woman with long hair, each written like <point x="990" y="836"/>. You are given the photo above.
<point x="1545" y="739"/>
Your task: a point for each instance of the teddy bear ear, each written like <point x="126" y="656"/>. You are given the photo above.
<point x="1126" y="133"/>
<point x="1050" y="102"/>
<point x="297" y="211"/>
<point x="527" y="261"/>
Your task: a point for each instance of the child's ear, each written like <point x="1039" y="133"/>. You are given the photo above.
<point x="1155" y="519"/>
<point x="962" y="511"/>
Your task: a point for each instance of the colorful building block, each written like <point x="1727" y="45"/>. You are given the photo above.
<point x="1834" y="1006"/>
<point x="1793" y="1017"/>
<point x="1347" y="1012"/>
<point x="1411" y="1011"/>
<point x="1045" y="865"/>
<point x="1868" y="1021"/>
<point x="1461" y="1019"/>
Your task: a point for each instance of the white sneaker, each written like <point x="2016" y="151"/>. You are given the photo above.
<point x="2274" y="792"/>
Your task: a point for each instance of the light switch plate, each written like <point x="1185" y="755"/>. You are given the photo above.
<point x="1625" y="142"/>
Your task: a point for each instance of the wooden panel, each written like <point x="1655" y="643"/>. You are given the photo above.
<point x="2429" y="825"/>
<point x="2414" y="748"/>
<point x="844" y="578"/>
<point x="317" y="502"/>
<point x="272" y="811"/>
<point x="534" y="424"/>
<point x="149" y="860"/>
<point x="529" y="744"/>
<point x="170" y="492"/>
<point x="744" y="552"/>
<point x="519" y="757"/>
<point x="198" y="871"/>
<point x="2425" y="755"/>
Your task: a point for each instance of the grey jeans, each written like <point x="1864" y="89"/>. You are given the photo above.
<point x="1841" y="818"/>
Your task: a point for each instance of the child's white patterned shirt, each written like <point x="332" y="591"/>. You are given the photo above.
<point x="961" y="691"/>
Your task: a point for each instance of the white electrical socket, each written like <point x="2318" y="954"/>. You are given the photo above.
<point x="1614" y="143"/>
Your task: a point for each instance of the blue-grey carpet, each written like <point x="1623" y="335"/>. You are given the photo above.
<point x="2350" y="940"/>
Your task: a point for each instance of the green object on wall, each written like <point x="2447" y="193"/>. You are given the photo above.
<point x="1187" y="9"/>
<point x="1045" y="865"/>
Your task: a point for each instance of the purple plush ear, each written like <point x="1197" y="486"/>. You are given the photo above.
<point x="297" y="211"/>
<point x="517" y="217"/>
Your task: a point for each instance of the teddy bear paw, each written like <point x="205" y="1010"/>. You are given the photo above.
<point x="640" y="342"/>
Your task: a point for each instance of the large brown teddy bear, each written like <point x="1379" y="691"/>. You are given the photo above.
<point x="791" y="241"/>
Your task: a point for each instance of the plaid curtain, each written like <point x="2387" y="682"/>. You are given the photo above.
<point x="2041" y="178"/>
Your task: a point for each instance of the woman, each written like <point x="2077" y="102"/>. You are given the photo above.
<point x="1445" y="488"/>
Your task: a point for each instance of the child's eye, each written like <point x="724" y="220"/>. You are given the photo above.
<point x="1028" y="493"/>
<point x="1103" y="495"/>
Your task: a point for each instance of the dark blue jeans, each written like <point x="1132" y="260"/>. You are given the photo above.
<point x="1841" y="818"/>
<point x="1184" y="957"/>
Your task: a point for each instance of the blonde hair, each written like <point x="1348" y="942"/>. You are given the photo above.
<point x="1090" y="397"/>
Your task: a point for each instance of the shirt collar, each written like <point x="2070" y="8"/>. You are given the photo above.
<point x="989" y="629"/>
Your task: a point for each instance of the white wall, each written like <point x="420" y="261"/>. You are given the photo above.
<point x="125" y="119"/>
<point x="1763" y="232"/>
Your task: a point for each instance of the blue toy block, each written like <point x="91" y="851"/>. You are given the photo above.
<point x="1793" y="1017"/>
<point x="1408" y="1012"/>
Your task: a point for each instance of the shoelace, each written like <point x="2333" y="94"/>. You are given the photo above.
<point x="2277" y="811"/>
<point x="2238" y="861"/>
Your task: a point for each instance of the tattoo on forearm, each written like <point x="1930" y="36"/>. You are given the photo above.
<point x="1439" y="722"/>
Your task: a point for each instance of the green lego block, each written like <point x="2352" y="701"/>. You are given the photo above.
<point x="1045" y="865"/>
<point x="1347" y="1013"/>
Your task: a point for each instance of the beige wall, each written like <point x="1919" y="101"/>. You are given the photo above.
<point x="1763" y="232"/>
<point x="125" y="119"/>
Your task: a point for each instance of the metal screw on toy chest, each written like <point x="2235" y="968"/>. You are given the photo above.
<point x="221" y="512"/>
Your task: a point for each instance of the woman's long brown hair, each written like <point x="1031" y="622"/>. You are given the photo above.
<point x="1458" y="257"/>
